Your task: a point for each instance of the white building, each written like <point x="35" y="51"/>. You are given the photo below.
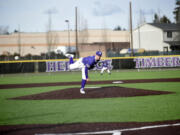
<point x="157" y="37"/>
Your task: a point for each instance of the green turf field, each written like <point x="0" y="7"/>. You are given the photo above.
<point x="140" y="109"/>
<point x="94" y="76"/>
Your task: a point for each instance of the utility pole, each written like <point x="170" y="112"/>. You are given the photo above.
<point x="69" y="49"/>
<point x="131" y="42"/>
<point x="49" y="37"/>
<point x="76" y="33"/>
<point x="178" y="20"/>
<point x="19" y="40"/>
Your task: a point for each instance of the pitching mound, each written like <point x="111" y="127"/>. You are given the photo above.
<point x="103" y="92"/>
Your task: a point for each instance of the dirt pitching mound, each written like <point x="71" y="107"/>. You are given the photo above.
<point x="103" y="92"/>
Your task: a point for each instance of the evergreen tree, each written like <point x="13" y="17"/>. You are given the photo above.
<point x="156" y="18"/>
<point x="164" y="19"/>
<point x="176" y="11"/>
<point x="118" y="28"/>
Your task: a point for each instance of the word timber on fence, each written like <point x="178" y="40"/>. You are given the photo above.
<point x="157" y="62"/>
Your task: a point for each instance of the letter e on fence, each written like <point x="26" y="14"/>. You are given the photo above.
<point x="61" y="66"/>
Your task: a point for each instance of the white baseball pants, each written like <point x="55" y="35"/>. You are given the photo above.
<point x="79" y="65"/>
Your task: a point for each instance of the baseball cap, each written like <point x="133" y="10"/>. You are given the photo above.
<point x="99" y="53"/>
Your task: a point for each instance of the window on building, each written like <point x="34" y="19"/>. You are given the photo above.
<point x="169" y="34"/>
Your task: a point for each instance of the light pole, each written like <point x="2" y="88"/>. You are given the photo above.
<point x="67" y="21"/>
<point x="131" y="31"/>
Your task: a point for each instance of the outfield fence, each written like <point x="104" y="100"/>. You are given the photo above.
<point x="58" y="65"/>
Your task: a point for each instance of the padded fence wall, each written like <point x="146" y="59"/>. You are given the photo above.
<point x="113" y="63"/>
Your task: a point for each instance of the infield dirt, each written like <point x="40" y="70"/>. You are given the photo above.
<point x="102" y="92"/>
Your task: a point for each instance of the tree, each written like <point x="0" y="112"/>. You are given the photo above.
<point x="16" y="31"/>
<point x="51" y="37"/>
<point x="118" y="28"/>
<point x="52" y="40"/>
<point x="176" y="11"/>
<point x="4" y="30"/>
<point x="164" y="19"/>
<point x="158" y="19"/>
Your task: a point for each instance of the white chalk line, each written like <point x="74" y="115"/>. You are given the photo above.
<point x="116" y="132"/>
<point x="117" y="82"/>
<point x="92" y="87"/>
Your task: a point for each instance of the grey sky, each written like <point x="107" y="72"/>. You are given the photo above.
<point x="32" y="15"/>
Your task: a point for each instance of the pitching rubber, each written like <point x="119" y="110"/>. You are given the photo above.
<point x="117" y="82"/>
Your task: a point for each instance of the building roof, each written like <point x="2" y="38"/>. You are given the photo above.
<point x="167" y="26"/>
<point x="173" y="43"/>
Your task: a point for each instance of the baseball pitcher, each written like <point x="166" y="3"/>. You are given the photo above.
<point x="85" y="64"/>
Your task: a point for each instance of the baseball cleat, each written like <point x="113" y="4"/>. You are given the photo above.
<point x="82" y="91"/>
